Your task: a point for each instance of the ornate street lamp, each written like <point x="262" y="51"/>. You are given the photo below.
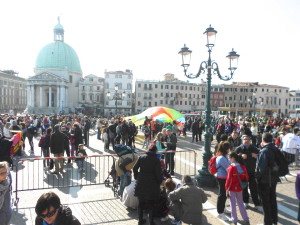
<point x="205" y="178"/>
<point x="116" y="97"/>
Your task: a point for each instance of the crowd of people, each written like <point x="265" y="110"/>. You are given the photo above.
<point x="245" y="159"/>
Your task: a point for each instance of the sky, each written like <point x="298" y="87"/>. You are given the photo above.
<point x="146" y="36"/>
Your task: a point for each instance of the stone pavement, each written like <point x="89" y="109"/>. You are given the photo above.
<point x="97" y="204"/>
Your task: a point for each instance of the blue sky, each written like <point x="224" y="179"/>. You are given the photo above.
<point x="145" y="36"/>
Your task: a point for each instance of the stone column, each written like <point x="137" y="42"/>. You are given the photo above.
<point x="32" y="96"/>
<point x="66" y="97"/>
<point x="28" y="97"/>
<point x="50" y="96"/>
<point x="62" y="94"/>
<point x="58" y="103"/>
<point x="41" y="96"/>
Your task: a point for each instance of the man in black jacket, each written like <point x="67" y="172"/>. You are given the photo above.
<point x="267" y="178"/>
<point x="58" y="142"/>
<point x="86" y="130"/>
<point x="171" y="146"/>
<point x="248" y="155"/>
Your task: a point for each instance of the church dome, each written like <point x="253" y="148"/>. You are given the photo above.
<point x="58" y="55"/>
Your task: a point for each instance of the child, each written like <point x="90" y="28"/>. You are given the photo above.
<point x="146" y="131"/>
<point x="235" y="174"/>
<point x="81" y="152"/>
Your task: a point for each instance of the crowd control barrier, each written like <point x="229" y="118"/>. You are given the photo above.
<point x="30" y="173"/>
<point x="184" y="162"/>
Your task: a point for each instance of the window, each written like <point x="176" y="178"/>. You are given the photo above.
<point x="91" y="79"/>
<point x="70" y="79"/>
<point x="177" y="87"/>
<point x="83" y="88"/>
<point x="161" y="94"/>
<point x="91" y="88"/>
<point x="91" y="97"/>
<point x="129" y="86"/>
<point x="139" y="85"/>
<point x="166" y="86"/>
<point x="166" y="101"/>
<point x="139" y="103"/>
<point x="83" y="97"/>
<point x="98" y="98"/>
<point x="149" y="104"/>
<point x="150" y="86"/>
<point x="155" y="85"/>
<point x="155" y="95"/>
<point x="145" y="86"/>
<point x="203" y="96"/>
<point x="155" y="103"/>
<point x="161" y="102"/>
<point x="139" y="95"/>
<point x="191" y="88"/>
<point x="98" y="88"/>
<point x="171" y="86"/>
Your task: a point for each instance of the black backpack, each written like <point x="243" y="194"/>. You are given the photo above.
<point x="281" y="164"/>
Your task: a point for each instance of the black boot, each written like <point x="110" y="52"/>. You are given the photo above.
<point x="151" y="219"/>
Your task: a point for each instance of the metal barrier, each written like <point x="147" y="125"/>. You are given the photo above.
<point x="31" y="175"/>
<point x="292" y="155"/>
<point x="184" y="162"/>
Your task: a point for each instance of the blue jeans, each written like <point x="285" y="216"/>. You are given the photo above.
<point x="79" y="163"/>
<point x="125" y="180"/>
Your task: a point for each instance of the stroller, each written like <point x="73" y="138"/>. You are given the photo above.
<point x="112" y="175"/>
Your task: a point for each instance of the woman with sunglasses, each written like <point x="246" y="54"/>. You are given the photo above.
<point x="50" y="212"/>
<point x="5" y="209"/>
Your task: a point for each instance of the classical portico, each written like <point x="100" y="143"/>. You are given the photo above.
<point x="47" y="93"/>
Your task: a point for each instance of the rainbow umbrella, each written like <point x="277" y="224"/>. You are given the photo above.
<point x="161" y="114"/>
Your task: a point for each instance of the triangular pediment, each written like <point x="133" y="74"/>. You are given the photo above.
<point x="46" y="76"/>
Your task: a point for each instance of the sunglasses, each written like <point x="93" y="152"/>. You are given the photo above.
<point x="50" y="214"/>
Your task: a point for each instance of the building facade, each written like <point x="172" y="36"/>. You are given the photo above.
<point x="247" y="98"/>
<point x="217" y="97"/>
<point x="54" y="87"/>
<point x="91" y="94"/>
<point x="170" y="92"/>
<point x="12" y="93"/>
<point x="118" y="92"/>
<point x="294" y="103"/>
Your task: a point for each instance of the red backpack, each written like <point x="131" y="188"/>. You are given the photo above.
<point x="212" y="165"/>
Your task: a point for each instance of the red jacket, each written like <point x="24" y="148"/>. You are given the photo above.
<point x="232" y="181"/>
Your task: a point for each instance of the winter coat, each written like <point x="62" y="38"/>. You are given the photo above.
<point x="5" y="205"/>
<point x="57" y="142"/>
<point x="147" y="171"/>
<point x="250" y="162"/>
<point x="265" y="163"/>
<point x="5" y="145"/>
<point x="64" y="217"/>
<point x="78" y="136"/>
<point x="191" y="199"/>
<point x="232" y="181"/>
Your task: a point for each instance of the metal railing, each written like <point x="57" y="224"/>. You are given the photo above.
<point x="30" y="174"/>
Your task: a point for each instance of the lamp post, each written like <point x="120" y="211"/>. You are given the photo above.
<point x="116" y="97"/>
<point x="204" y="177"/>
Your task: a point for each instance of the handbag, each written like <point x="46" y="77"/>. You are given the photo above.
<point x="243" y="183"/>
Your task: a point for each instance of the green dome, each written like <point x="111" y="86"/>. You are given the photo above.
<point x="58" y="27"/>
<point x="58" y="55"/>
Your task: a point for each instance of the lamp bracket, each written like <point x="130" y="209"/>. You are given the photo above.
<point x="216" y="71"/>
<point x="202" y="69"/>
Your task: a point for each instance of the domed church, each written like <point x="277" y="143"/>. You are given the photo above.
<point x="54" y="87"/>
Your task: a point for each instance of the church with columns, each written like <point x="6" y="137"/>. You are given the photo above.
<point x="54" y="88"/>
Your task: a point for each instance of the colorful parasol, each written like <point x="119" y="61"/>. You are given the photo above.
<point x="161" y="114"/>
